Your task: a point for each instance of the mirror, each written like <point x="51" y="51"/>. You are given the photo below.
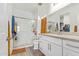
<point x="52" y="27"/>
<point x="68" y="23"/>
<point x="65" y="22"/>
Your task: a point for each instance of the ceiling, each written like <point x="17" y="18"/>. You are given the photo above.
<point x="34" y="8"/>
<point x="31" y="7"/>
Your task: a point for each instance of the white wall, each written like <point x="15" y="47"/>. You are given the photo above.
<point x="24" y="14"/>
<point x="5" y="15"/>
<point x="38" y="25"/>
<point x="44" y="9"/>
<point x="72" y="9"/>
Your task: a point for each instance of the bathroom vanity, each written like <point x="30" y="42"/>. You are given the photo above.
<point x="59" y="44"/>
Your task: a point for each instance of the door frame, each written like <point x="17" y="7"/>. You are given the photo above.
<point x="8" y="38"/>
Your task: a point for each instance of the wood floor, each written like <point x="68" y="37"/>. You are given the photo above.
<point x="27" y="52"/>
<point x="16" y="51"/>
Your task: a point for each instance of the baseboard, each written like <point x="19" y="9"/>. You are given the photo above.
<point x="23" y="46"/>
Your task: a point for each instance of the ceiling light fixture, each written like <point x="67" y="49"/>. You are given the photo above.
<point x="39" y="4"/>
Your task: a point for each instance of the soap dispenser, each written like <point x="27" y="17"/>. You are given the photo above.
<point x="75" y="28"/>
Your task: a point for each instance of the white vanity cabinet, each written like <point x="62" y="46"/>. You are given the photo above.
<point x="55" y="46"/>
<point x="70" y="48"/>
<point x="50" y="46"/>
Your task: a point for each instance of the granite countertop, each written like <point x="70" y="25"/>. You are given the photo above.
<point x="63" y="36"/>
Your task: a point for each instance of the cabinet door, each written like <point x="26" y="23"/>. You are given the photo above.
<point x="71" y="45"/>
<point x="56" y="50"/>
<point x="70" y="48"/>
<point x="68" y="52"/>
<point x="44" y="47"/>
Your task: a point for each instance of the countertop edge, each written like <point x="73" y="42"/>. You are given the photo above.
<point x="61" y="37"/>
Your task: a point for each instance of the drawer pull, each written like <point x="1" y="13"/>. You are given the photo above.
<point x="72" y="46"/>
<point x="48" y="47"/>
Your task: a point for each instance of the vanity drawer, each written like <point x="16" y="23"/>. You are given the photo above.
<point x="71" y="45"/>
<point x="54" y="40"/>
<point x="57" y="41"/>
